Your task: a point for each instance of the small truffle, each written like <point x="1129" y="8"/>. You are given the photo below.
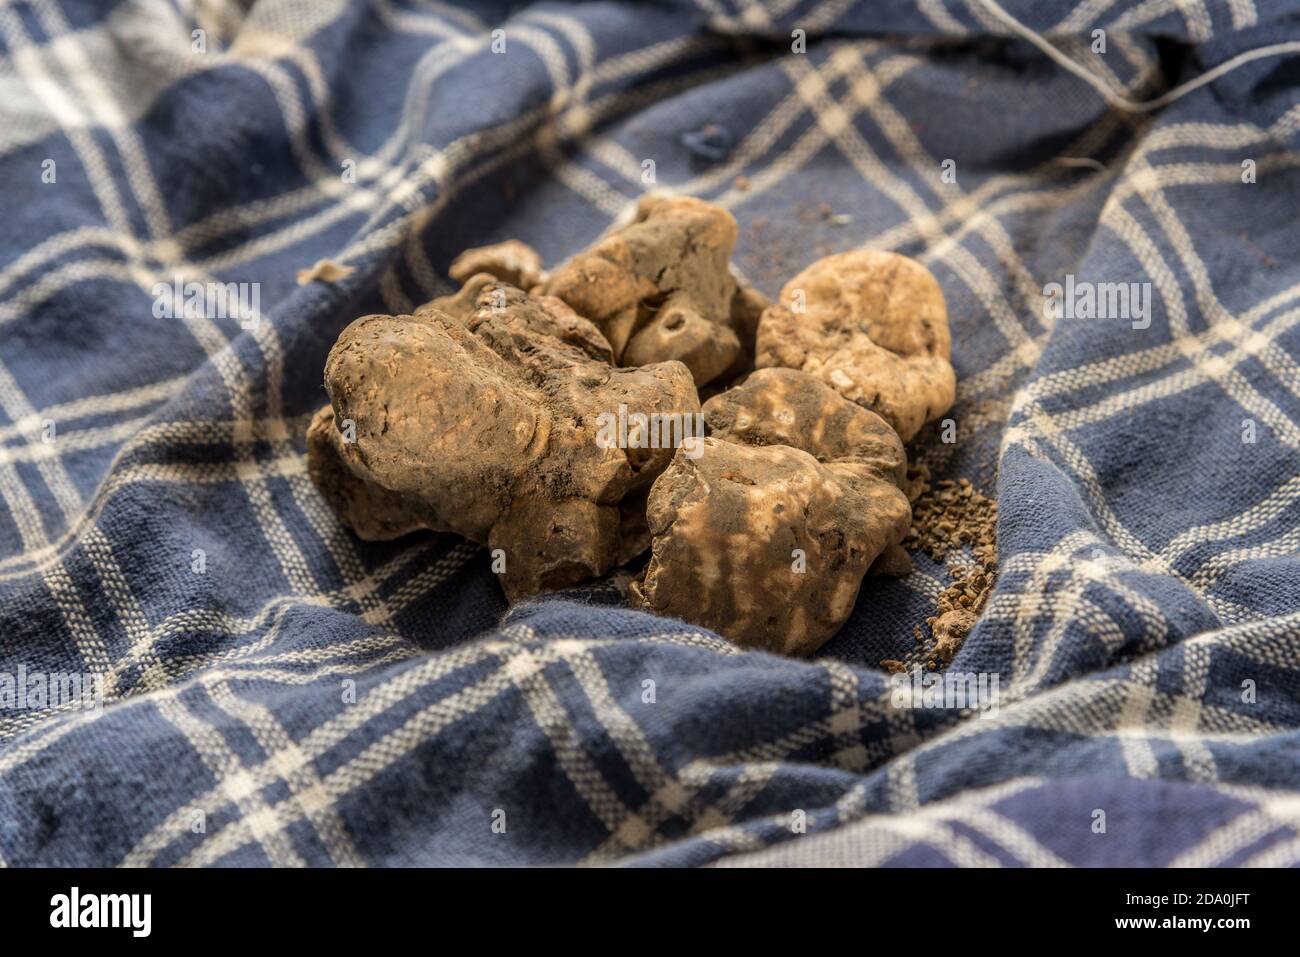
<point x="678" y="331"/>
<point x="873" y="325"/>
<point x="512" y="262"/>
<point x="660" y="287"/>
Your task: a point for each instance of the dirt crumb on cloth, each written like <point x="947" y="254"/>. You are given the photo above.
<point x="947" y="517"/>
<point x="324" y="270"/>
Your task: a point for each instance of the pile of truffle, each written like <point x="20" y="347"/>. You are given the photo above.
<point x="479" y="415"/>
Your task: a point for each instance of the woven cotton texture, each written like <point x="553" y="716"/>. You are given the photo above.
<point x="279" y="692"/>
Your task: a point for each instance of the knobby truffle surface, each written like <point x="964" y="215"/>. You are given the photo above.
<point x="766" y="535"/>
<point x="660" y="288"/>
<point x="786" y="407"/>
<point x="875" y="327"/>
<point x="487" y="428"/>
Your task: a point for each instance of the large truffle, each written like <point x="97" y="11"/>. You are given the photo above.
<point x="875" y="327"/>
<point x="766" y="534"/>
<point x="660" y="288"/>
<point x="488" y="428"/>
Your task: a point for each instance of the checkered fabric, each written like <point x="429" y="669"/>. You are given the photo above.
<point x="277" y="691"/>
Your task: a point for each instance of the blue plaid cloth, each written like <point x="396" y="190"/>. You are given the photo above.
<point x="276" y="691"/>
